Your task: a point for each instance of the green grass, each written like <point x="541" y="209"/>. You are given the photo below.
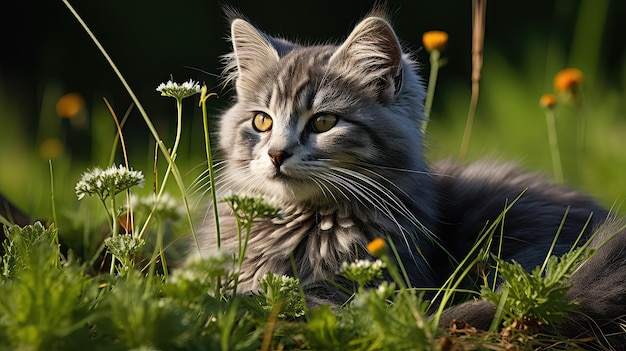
<point x="64" y="298"/>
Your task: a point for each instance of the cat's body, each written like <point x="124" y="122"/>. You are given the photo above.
<point x="331" y="134"/>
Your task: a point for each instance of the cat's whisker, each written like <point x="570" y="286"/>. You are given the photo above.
<point x="393" y="200"/>
<point x="202" y="181"/>
<point x="410" y="215"/>
<point x="340" y="184"/>
<point x="382" y="205"/>
<point x="387" y="203"/>
<point x="323" y="188"/>
<point x="363" y="193"/>
<point x="366" y="165"/>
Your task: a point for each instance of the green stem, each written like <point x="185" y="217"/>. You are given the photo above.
<point x="114" y="230"/>
<point x="179" y="120"/>
<point x="179" y="114"/>
<point x="54" y="212"/>
<point x="432" y="82"/>
<point x="479" y="8"/>
<point x="554" y="145"/>
<point x="404" y="291"/>
<point x="209" y="158"/>
<point x="158" y="251"/>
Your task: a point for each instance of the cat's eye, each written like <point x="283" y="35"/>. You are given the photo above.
<point x="262" y="122"/>
<point x="323" y="122"/>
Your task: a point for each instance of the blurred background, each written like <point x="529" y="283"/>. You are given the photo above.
<point x="53" y="80"/>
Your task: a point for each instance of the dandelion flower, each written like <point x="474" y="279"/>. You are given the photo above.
<point x="547" y="101"/>
<point x="568" y="80"/>
<point x="179" y="91"/>
<point x="435" y="40"/>
<point x="69" y="105"/>
<point x="108" y="182"/>
<point x="377" y="247"/>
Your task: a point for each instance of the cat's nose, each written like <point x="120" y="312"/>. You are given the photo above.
<point x="278" y="156"/>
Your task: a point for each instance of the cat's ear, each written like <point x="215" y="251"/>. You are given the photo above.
<point x="372" y="56"/>
<point x="251" y="48"/>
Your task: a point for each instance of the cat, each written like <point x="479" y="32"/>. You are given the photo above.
<point x="331" y="135"/>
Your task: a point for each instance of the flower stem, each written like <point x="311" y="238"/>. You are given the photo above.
<point x="432" y="82"/>
<point x="209" y="157"/>
<point x="479" y="8"/>
<point x="114" y="230"/>
<point x="179" y="109"/>
<point x="554" y="145"/>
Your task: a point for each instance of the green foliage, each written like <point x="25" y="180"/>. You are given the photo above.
<point x="379" y="319"/>
<point x="536" y="297"/>
<point x="22" y="241"/>
<point x="283" y="291"/>
<point x="50" y="303"/>
<point x="140" y="315"/>
<point x="43" y="305"/>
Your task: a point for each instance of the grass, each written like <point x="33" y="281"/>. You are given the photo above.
<point x="73" y="296"/>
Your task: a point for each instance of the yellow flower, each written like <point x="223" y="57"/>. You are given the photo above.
<point x="377" y="247"/>
<point x="568" y="80"/>
<point x="547" y="101"/>
<point x="435" y="40"/>
<point x="69" y="105"/>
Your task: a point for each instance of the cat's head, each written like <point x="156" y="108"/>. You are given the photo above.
<point x="325" y="123"/>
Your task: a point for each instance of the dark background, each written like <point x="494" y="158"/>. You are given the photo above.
<point x="150" y="40"/>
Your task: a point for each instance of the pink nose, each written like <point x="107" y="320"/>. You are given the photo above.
<point x="278" y="156"/>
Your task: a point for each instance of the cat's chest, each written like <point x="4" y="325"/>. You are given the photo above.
<point x="325" y="233"/>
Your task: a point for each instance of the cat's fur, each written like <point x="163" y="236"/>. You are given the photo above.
<point x="367" y="177"/>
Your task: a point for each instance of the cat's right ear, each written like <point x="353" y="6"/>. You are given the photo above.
<point x="251" y="49"/>
<point x="372" y="56"/>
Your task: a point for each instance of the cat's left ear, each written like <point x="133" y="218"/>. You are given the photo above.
<point x="252" y="51"/>
<point x="372" y="56"/>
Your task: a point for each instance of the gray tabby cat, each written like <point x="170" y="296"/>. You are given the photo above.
<point x="331" y="134"/>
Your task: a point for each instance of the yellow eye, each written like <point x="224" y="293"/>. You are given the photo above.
<point x="323" y="122"/>
<point x="262" y="122"/>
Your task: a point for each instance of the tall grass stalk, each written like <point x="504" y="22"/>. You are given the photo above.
<point x="554" y="145"/>
<point x="479" y="9"/>
<point x="117" y="139"/>
<point x="467" y="264"/>
<point x="209" y="157"/>
<point x="52" y="201"/>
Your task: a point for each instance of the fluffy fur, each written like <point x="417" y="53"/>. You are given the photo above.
<point x="366" y="177"/>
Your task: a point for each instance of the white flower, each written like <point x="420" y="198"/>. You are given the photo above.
<point x="167" y="206"/>
<point x="124" y="245"/>
<point x="179" y="91"/>
<point x="108" y="182"/>
<point x="362" y="271"/>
